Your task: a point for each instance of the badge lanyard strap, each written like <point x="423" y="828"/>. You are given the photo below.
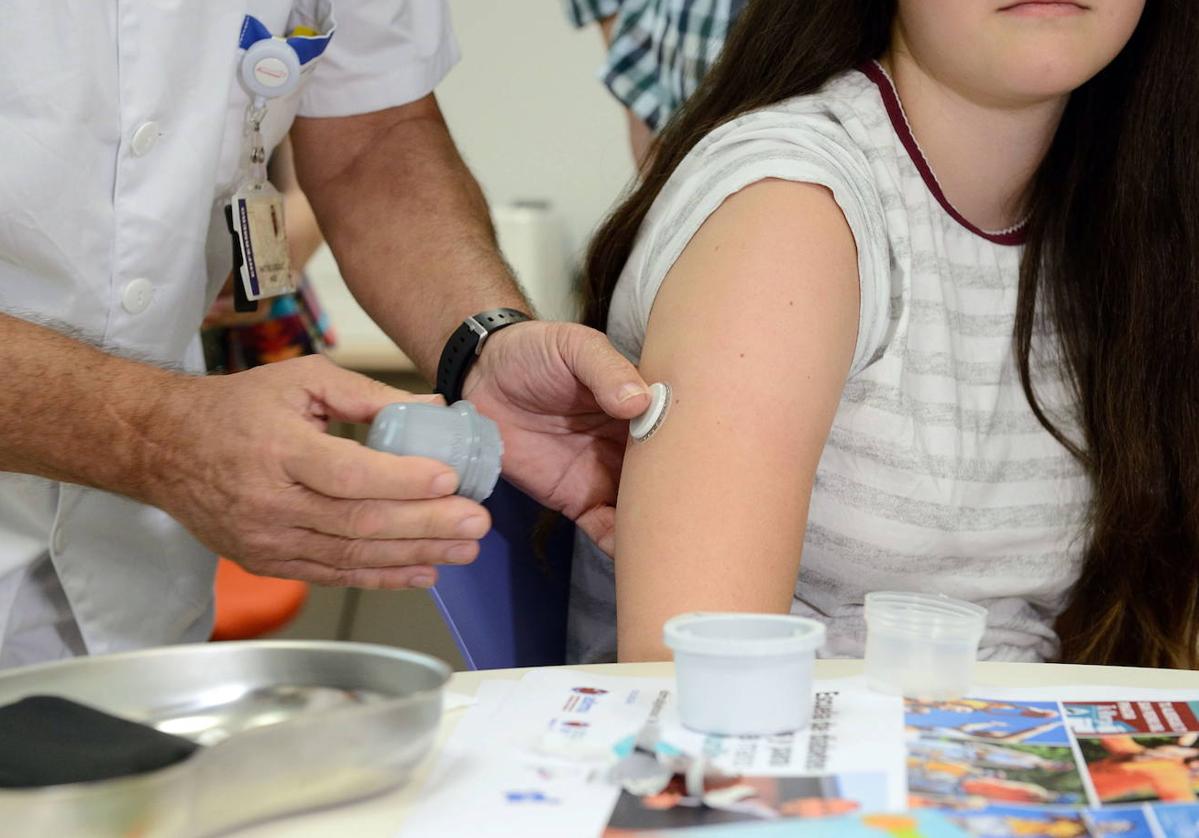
<point x="270" y="68"/>
<point x="255" y="165"/>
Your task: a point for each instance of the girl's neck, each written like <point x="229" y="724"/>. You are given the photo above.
<point x="984" y="154"/>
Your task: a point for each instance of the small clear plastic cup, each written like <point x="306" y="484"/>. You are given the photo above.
<point x="921" y="645"/>
<point x="744" y="674"/>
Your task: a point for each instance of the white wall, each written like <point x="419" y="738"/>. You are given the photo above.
<point x="534" y="123"/>
<point x="530" y="116"/>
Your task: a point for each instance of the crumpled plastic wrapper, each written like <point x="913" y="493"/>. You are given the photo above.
<point x="647" y="766"/>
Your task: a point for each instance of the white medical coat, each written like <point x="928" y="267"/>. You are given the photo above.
<point x="120" y="138"/>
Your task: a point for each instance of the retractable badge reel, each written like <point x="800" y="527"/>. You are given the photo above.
<point x="270" y="68"/>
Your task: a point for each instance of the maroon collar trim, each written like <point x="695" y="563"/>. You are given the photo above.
<point x="899" y="121"/>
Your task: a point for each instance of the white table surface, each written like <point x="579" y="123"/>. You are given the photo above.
<point x="383" y="815"/>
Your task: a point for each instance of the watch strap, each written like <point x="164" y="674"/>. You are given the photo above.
<point x="464" y="347"/>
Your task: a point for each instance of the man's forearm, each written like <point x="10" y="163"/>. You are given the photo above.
<point x="74" y="413"/>
<point x="407" y="222"/>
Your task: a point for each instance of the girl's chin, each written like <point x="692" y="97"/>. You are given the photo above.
<point x="1042" y="79"/>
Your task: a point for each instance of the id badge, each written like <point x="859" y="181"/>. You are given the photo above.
<point x="260" y="242"/>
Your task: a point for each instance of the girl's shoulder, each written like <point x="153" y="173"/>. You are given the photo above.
<point x="845" y="120"/>
<point x="826" y="138"/>
<point x="820" y="139"/>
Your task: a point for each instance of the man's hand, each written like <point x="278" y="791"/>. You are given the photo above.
<point x="243" y="461"/>
<point x="562" y="396"/>
<point x="413" y="238"/>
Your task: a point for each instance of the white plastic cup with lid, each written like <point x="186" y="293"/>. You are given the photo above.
<point x="744" y="674"/>
<point x="921" y="645"/>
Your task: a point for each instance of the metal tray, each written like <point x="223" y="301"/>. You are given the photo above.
<point x="286" y="725"/>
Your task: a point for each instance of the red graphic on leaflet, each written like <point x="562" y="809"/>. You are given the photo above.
<point x="1096" y="718"/>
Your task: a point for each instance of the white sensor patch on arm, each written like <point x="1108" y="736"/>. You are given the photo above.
<point x="647" y="424"/>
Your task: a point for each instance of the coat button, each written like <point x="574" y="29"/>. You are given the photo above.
<point x="137" y="296"/>
<point x="144" y="138"/>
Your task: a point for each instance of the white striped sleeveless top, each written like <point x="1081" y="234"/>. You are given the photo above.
<point x="936" y="476"/>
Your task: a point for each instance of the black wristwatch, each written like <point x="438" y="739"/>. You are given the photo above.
<point x="464" y="347"/>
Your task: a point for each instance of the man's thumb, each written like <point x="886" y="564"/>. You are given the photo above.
<point x="614" y="382"/>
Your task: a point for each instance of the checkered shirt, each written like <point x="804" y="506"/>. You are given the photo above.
<point x="660" y="50"/>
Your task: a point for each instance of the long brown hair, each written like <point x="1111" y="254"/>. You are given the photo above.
<point x="1110" y="269"/>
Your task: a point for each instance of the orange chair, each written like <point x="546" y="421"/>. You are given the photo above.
<point x="250" y="606"/>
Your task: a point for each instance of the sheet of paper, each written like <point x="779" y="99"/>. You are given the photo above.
<point x="852" y="736"/>
<point x="451" y="701"/>
<point x="535" y="758"/>
<point x="1079" y="761"/>
<point x="927" y="824"/>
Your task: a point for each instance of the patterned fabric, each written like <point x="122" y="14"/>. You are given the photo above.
<point x="661" y="49"/>
<point x="295" y="325"/>
<point x="583" y="12"/>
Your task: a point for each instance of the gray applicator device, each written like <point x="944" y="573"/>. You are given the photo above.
<point x="457" y="435"/>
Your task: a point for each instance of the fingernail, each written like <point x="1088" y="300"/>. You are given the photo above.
<point x="422" y="582"/>
<point x="473" y="527"/>
<point x="631" y="391"/>
<point x="445" y="484"/>
<point x="461" y="553"/>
